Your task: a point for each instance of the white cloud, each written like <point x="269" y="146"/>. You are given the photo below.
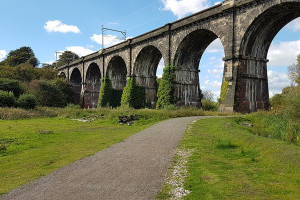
<point x="283" y="54"/>
<point x="58" y="26"/>
<point x="181" y="8"/>
<point x="160" y="68"/>
<point x="218" y="2"/>
<point x="216" y="94"/>
<point x="295" y="24"/>
<point x="113" y="23"/>
<point x="213" y="58"/>
<point x="215" y="47"/>
<point x="217" y="73"/>
<point x="90" y="46"/>
<point x="212" y="84"/>
<point x="50" y="62"/>
<point x="109" y="40"/>
<point x="161" y="64"/>
<point x="277" y="81"/>
<point x="80" y="51"/>
<point x="2" y="54"/>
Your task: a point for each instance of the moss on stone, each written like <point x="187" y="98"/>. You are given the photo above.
<point x="224" y="90"/>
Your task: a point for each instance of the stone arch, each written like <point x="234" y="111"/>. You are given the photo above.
<point x="92" y="86"/>
<point x="145" y="68"/>
<point x="76" y="81"/>
<point x="187" y="59"/>
<point x="252" y="74"/>
<point x="117" y="72"/>
<point x="261" y="32"/>
<point x="62" y="75"/>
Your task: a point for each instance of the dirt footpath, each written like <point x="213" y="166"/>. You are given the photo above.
<point x="133" y="169"/>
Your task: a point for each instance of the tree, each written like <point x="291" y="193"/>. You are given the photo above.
<point x="294" y="72"/>
<point x="47" y="93"/>
<point x="23" y="55"/>
<point x="208" y="95"/>
<point x="66" y="88"/>
<point x="165" y="92"/>
<point x="66" y="57"/>
<point x="47" y="66"/>
<point x="27" y="73"/>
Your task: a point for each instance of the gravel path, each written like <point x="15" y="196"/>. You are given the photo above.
<point x="133" y="169"/>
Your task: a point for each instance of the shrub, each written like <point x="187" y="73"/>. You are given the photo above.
<point x="105" y="92"/>
<point x="116" y="96"/>
<point x="292" y="105"/>
<point x="277" y="101"/>
<point x="133" y="96"/>
<point x="66" y="89"/>
<point x="209" y="105"/>
<point x="139" y="100"/>
<point x="109" y="96"/>
<point x="7" y="99"/>
<point x="11" y="85"/>
<point x="47" y="94"/>
<point x="27" y="101"/>
<point x="165" y="92"/>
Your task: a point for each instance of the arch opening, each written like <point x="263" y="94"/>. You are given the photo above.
<point x="145" y="69"/>
<point x="76" y="82"/>
<point x="265" y="27"/>
<point x="92" y="86"/>
<point x="62" y="75"/>
<point x="254" y="49"/>
<point x="187" y="61"/>
<point x="117" y="72"/>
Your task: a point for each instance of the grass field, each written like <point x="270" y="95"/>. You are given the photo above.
<point x="229" y="162"/>
<point x="35" y="142"/>
<point x="31" y="148"/>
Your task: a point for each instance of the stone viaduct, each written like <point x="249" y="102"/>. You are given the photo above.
<point x="246" y="29"/>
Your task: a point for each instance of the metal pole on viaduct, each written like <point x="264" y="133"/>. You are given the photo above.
<point x="246" y="29"/>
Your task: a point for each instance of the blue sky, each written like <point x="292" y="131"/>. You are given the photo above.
<point x="55" y="25"/>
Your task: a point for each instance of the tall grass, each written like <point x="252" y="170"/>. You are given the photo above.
<point x="74" y="112"/>
<point x="274" y="125"/>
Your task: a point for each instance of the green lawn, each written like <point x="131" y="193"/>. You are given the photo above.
<point x="36" y="147"/>
<point x="228" y="162"/>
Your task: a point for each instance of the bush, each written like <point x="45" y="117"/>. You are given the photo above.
<point x="139" y="100"/>
<point x="109" y="96"/>
<point x="209" y="105"/>
<point x="105" y="92"/>
<point x="66" y="89"/>
<point x="116" y="96"/>
<point x="47" y="94"/>
<point x="7" y="99"/>
<point x="277" y="101"/>
<point x="11" y="85"/>
<point x="165" y="92"/>
<point x="292" y="104"/>
<point x="133" y="96"/>
<point x="27" y="101"/>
